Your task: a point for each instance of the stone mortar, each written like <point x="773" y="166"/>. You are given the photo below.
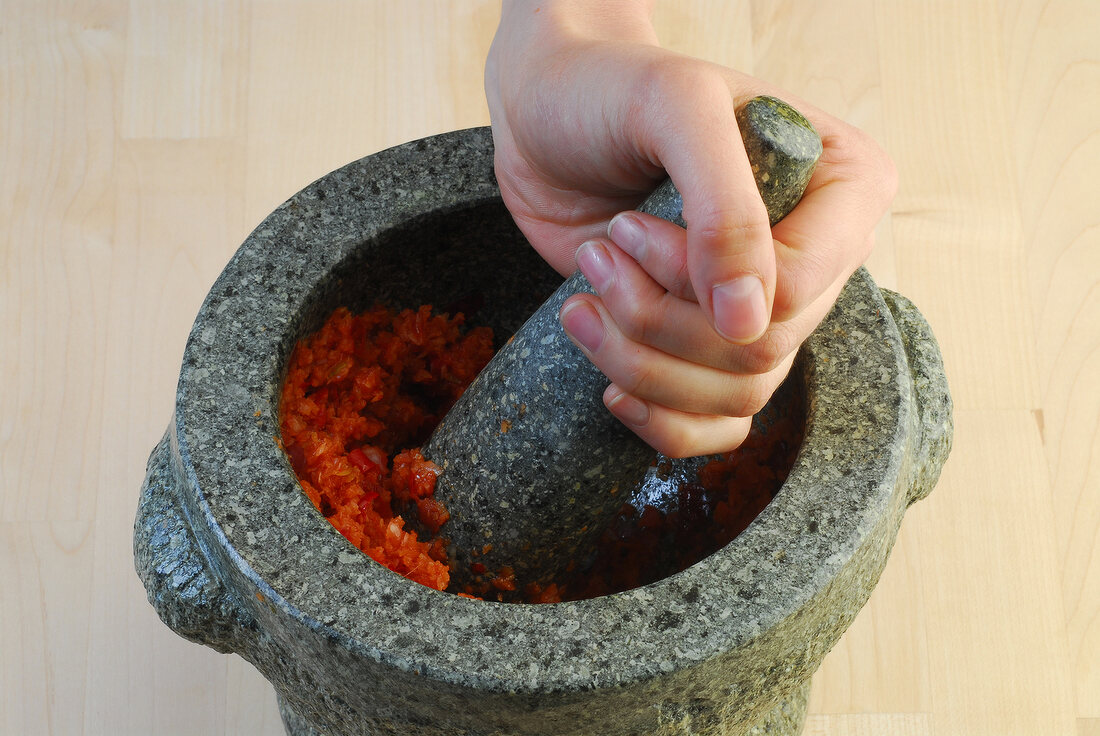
<point x="234" y="556"/>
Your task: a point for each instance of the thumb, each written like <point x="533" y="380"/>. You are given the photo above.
<point x="730" y="251"/>
<point x="731" y="260"/>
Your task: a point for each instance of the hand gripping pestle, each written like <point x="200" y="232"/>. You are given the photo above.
<point x="533" y="464"/>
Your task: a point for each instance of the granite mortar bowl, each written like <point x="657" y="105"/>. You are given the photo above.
<point x="233" y="555"/>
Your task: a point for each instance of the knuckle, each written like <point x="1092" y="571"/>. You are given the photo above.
<point x="655" y="81"/>
<point x="767" y="353"/>
<point x="687" y="439"/>
<point x="636" y="320"/>
<point x="867" y="163"/>
<point x="695" y="439"/>
<point x="879" y="171"/>
<point x="786" y="300"/>
<point x="805" y="277"/>
<point x="666" y="77"/>
<point x="757" y="399"/>
<point x="634" y="375"/>
<point x="849" y="145"/>
<point x="732" y="435"/>
<point x="747" y="226"/>
<point x="678" y="445"/>
<point x="750" y="397"/>
<point x="682" y="281"/>
<point x="665" y="83"/>
<point x="742" y="433"/>
<point x="637" y="328"/>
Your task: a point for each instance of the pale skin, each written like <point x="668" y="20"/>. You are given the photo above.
<point x="695" y="329"/>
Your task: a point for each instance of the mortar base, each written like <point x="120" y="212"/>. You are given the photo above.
<point x="786" y="719"/>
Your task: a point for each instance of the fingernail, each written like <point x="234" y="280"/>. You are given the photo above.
<point x="595" y="263"/>
<point x="740" y="309"/>
<point x="583" y="325"/>
<point x="630" y="411"/>
<point x="628" y="234"/>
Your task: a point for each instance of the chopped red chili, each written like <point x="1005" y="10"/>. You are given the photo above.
<point x="360" y="395"/>
<point x="365" y="391"/>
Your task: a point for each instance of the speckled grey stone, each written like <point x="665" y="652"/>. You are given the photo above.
<point x="535" y="465"/>
<point x="783" y="148"/>
<point x="233" y="554"/>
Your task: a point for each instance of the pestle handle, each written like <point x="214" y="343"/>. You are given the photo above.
<point x="534" y="465"/>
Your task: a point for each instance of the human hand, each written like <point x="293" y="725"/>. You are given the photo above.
<point x="696" y="328"/>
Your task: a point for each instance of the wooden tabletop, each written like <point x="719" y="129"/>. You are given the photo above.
<point x="140" y="141"/>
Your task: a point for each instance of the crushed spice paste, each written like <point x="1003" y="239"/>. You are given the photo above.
<point x="643" y="545"/>
<point x="361" y="395"/>
<point x="365" y="391"/>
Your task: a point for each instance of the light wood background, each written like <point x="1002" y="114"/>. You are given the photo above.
<point x="141" y="140"/>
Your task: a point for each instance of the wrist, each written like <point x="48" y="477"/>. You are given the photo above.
<point x="541" y="21"/>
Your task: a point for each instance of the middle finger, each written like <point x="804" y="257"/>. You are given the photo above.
<point x="657" y="376"/>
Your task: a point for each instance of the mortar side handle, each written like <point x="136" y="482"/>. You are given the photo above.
<point x="931" y="395"/>
<point x="178" y="579"/>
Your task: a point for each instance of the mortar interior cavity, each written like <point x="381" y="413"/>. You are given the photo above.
<point x="474" y="260"/>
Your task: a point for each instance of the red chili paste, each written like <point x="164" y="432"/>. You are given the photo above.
<point x="360" y="396"/>
<point x="641" y="547"/>
<point x="365" y="391"/>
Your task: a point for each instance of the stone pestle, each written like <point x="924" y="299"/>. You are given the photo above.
<point x="533" y="464"/>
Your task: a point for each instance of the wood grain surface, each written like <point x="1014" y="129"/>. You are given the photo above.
<point x="140" y="141"/>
